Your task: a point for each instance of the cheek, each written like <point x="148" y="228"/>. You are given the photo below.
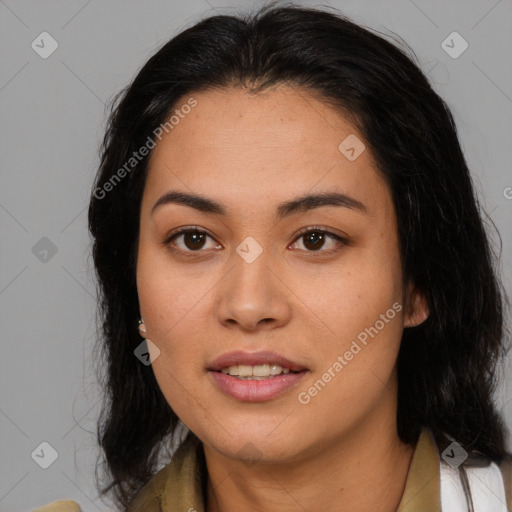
<point x="174" y="313"/>
<point x="346" y="302"/>
<point x="168" y="291"/>
<point x="356" y="366"/>
<point x="361" y="307"/>
<point x="365" y="330"/>
<point x="174" y="302"/>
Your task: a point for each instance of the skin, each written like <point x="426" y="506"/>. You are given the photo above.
<point x="341" y="451"/>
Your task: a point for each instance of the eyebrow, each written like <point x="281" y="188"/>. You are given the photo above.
<point x="297" y="205"/>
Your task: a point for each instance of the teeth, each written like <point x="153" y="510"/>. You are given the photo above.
<point x="257" y="372"/>
<point x="276" y="370"/>
<point x="261" y="370"/>
<point x="244" y="370"/>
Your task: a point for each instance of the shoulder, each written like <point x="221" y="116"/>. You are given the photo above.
<point x="178" y="485"/>
<point x="506" y="473"/>
<point x="149" y="497"/>
<point x="492" y="481"/>
<point x="60" y="506"/>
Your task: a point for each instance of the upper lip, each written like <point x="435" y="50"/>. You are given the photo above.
<point x="238" y="357"/>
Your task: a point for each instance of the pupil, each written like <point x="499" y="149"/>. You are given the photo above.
<point x="196" y="238"/>
<point x="317" y="239"/>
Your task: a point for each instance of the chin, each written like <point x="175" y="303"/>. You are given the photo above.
<point x="256" y="447"/>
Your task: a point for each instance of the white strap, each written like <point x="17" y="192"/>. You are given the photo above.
<point x="487" y="489"/>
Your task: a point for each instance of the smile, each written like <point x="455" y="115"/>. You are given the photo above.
<point x="255" y="376"/>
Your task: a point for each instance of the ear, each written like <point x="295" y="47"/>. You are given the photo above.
<point x="417" y="310"/>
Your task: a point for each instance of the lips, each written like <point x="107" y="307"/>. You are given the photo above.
<point x="255" y="388"/>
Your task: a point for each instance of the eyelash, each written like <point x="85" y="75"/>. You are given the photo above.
<point x="305" y="231"/>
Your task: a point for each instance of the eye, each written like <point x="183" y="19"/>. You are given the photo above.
<point x="314" y="238"/>
<point x="192" y="238"/>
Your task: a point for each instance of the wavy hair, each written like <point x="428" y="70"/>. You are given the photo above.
<point x="448" y="365"/>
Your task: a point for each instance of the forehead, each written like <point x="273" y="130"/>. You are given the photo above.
<point x="283" y="142"/>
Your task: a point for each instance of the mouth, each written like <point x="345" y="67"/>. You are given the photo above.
<point x="255" y="377"/>
<point x="255" y="372"/>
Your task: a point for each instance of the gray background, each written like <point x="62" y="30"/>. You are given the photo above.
<point x="52" y="120"/>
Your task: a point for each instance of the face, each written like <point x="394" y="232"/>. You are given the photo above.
<point x="319" y="284"/>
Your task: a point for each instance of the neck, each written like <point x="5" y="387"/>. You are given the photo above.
<point x="366" y="470"/>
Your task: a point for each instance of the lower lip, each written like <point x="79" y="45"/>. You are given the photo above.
<point x="256" y="390"/>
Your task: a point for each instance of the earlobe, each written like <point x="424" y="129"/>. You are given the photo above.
<point x="417" y="308"/>
<point x="142" y="328"/>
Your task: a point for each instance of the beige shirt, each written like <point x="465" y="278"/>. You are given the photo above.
<point x="180" y="486"/>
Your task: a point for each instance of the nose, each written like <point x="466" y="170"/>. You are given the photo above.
<point x="253" y="296"/>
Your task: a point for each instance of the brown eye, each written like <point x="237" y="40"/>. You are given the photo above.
<point x="315" y="239"/>
<point x="187" y="240"/>
<point x="194" y="239"/>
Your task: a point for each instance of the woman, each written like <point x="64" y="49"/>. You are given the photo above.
<point x="293" y="267"/>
